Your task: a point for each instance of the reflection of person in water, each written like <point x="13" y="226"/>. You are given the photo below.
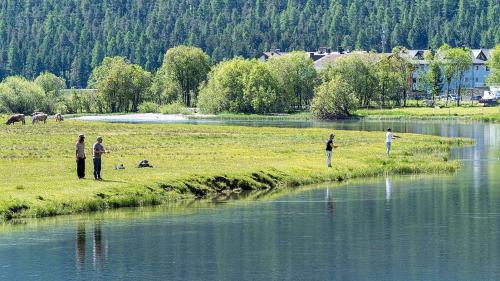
<point x="388" y="189"/>
<point x="329" y="201"/>
<point x="80" y="244"/>
<point x="98" y="250"/>
<point x="98" y="247"/>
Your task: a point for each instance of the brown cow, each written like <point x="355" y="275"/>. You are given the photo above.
<point x="39" y="118"/>
<point x="59" y="117"/>
<point x="36" y="113"/>
<point x="16" y="118"/>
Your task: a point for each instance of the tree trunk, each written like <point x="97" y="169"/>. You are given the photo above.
<point x="459" y="93"/>
<point x="447" y="92"/>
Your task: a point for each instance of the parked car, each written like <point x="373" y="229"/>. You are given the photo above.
<point x="489" y="98"/>
<point x="476" y="97"/>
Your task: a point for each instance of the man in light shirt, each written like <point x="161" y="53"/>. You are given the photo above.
<point x="98" y="151"/>
<point x="388" y="140"/>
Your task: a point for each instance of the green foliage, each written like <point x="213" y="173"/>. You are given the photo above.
<point x="18" y="95"/>
<point x="165" y="89"/>
<point x="240" y="86"/>
<point x="494" y="64"/>
<point x="261" y="90"/>
<point x="455" y="61"/>
<point x="70" y="37"/>
<point x="297" y="77"/>
<point x="185" y="67"/>
<point x="334" y="99"/>
<point x="435" y="74"/>
<point x="79" y="101"/>
<point x="390" y="74"/>
<point x="123" y="85"/>
<point x="149" y="107"/>
<point x="357" y="70"/>
<point x="52" y="86"/>
<point x="175" y="108"/>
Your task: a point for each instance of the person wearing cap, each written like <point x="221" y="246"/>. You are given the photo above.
<point x="388" y="140"/>
<point x="80" y="157"/>
<point x="329" y="148"/>
<point x="98" y="151"/>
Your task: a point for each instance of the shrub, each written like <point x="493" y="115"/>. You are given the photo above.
<point x="149" y="107"/>
<point x="19" y="95"/>
<point x="175" y="108"/>
<point x="240" y="86"/>
<point x="334" y="99"/>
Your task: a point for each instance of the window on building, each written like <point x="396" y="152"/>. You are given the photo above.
<point x="477" y="67"/>
<point x="477" y="79"/>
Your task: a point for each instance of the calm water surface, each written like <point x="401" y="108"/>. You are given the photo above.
<point x="394" y="228"/>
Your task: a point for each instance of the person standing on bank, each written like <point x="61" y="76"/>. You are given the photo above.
<point x="329" y="148"/>
<point x="98" y="150"/>
<point x="80" y="157"/>
<point x="388" y="140"/>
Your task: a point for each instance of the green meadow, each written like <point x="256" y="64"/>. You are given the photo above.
<point x="478" y="113"/>
<point x="38" y="169"/>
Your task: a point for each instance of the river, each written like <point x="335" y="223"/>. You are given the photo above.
<point x="444" y="227"/>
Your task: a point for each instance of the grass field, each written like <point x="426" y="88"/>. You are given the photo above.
<point x="37" y="163"/>
<point x="479" y="113"/>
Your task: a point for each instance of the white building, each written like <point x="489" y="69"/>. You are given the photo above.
<point x="474" y="78"/>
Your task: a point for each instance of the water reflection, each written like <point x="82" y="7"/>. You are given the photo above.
<point x="99" y="246"/>
<point x="80" y="245"/>
<point x="388" y="189"/>
<point x="444" y="227"/>
<point x="330" y="205"/>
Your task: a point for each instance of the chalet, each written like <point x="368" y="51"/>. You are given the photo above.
<point x="474" y="78"/>
<point x="320" y="53"/>
<point x="272" y="53"/>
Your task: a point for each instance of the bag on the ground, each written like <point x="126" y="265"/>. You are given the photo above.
<point x="144" y="164"/>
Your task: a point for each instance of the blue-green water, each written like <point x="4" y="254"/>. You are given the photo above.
<point x="443" y="227"/>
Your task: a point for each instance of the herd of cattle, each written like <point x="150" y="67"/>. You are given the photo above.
<point x="36" y="117"/>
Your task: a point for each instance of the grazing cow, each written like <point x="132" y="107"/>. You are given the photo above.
<point x="39" y="118"/>
<point x="36" y="113"/>
<point x="16" y="118"/>
<point x="59" y="117"/>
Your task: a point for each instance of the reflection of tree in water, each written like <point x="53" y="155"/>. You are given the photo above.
<point x="99" y="248"/>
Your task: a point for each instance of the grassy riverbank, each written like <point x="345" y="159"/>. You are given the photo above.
<point x="477" y="113"/>
<point x="38" y="167"/>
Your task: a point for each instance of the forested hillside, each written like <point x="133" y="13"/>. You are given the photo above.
<point x="70" y="37"/>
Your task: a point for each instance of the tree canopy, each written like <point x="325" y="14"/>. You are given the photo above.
<point x="186" y="67"/>
<point x="494" y="64"/>
<point x="123" y="85"/>
<point x="71" y="37"/>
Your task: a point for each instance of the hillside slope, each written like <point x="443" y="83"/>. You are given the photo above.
<point x="69" y="37"/>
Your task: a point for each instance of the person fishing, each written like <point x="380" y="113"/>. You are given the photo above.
<point x="98" y="151"/>
<point x="388" y="140"/>
<point x="329" y="148"/>
<point x="80" y="157"/>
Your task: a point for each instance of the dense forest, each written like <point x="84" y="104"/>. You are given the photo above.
<point x="71" y="37"/>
